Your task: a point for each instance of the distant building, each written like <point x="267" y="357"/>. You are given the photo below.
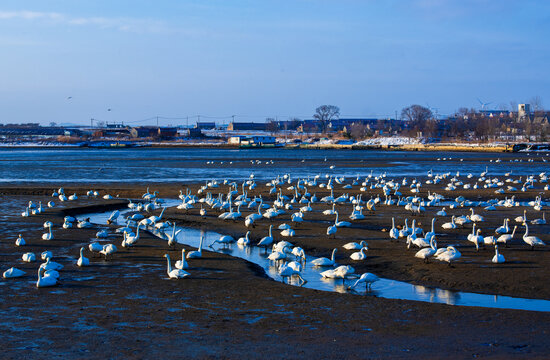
<point x="524" y="111"/>
<point x="167" y="133"/>
<point x="205" y="125"/>
<point x="234" y="126"/>
<point x="144" y="131"/>
<point x="252" y="140"/>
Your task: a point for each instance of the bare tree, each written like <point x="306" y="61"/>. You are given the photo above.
<point x="536" y="103"/>
<point x="418" y="117"/>
<point x="358" y="131"/>
<point x="325" y="113"/>
<point x="271" y="125"/>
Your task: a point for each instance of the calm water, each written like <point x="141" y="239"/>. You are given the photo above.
<point x="385" y="288"/>
<point x="182" y="165"/>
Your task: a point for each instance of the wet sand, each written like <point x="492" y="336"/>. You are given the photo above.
<point x="228" y="308"/>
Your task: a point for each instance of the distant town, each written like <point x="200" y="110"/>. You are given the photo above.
<point x="416" y="125"/>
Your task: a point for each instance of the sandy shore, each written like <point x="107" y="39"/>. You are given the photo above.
<point x="228" y="308"/>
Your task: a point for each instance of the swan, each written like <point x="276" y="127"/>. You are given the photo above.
<point x="394" y="233"/>
<point x="28" y="257"/>
<point x="182" y="264"/>
<point x="202" y="212"/>
<point x="48" y="235"/>
<point x="286" y="271"/>
<point x="108" y="249"/>
<point x="288" y="233"/>
<point x="360" y="255"/>
<point x="476" y="217"/>
<point x="25" y="213"/>
<point x="114" y="217"/>
<point x="46" y="280"/>
<point x="95" y="247"/>
<point x="431" y="233"/>
<point x="45" y="255"/>
<point x="498" y="258"/>
<point x="84" y="224"/>
<point x="102" y="234"/>
<point x="172" y="239"/>
<point x="367" y="278"/>
<point x="244" y="241"/>
<point x="13" y="273"/>
<point x="531" y="240"/>
<point x="539" y="221"/>
<point x="266" y="240"/>
<point x="441" y="212"/>
<point x="505" y="238"/>
<point x="82" y="261"/>
<point x="224" y="239"/>
<point x="51" y="265"/>
<point x="67" y="225"/>
<point x="341" y="272"/>
<point x="449" y="255"/>
<point x="355" y="246"/>
<point x="449" y="225"/>
<point x="176" y="273"/>
<point x="331" y="230"/>
<point x="504" y="228"/>
<point x="329" y="211"/>
<point x="426" y="253"/>
<point x="297" y="217"/>
<point x="477" y="239"/>
<point x="20" y="241"/>
<point x="323" y="261"/>
<point x="198" y="253"/>
<point x="341" y="223"/>
<point x="522" y="219"/>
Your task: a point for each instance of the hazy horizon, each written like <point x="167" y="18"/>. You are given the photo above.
<point x="68" y="62"/>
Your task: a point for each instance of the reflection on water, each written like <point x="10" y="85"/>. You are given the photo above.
<point x="385" y="288"/>
<point x="176" y="165"/>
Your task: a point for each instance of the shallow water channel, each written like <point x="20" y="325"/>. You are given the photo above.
<point x="385" y="288"/>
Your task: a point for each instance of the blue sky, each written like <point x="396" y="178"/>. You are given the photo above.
<point x="258" y="59"/>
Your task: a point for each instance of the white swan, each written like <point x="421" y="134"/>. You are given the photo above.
<point x="505" y="238"/>
<point x="172" y="239"/>
<point x="46" y="254"/>
<point x="498" y="258"/>
<point x="82" y="260"/>
<point x="504" y="228"/>
<point x="449" y="255"/>
<point x="367" y="278"/>
<point x="48" y="235"/>
<point x="20" y="241"/>
<point x="323" y="261"/>
<point x="531" y="240"/>
<point x="394" y="232"/>
<point x="46" y="280"/>
<point x="176" y="273"/>
<point x="108" y="250"/>
<point x="355" y="246"/>
<point x="95" y="247"/>
<point x="182" y="264"/>
<point x="266" y="240"/>
<point x="476" y="217"/>
<point x="449" y="225"/>
<point x="29" y="257"/>
<point x="360" y="255"/>
<point x="244" y="241"/>
<point x="341" y="223"/>
<point x="13" y="273"/>
<point x="426" y="253"/>
<point x="198" y="253"/>
<point x="51" y="265"/>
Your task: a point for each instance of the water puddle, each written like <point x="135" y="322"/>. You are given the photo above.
<point x="384" y="288"/>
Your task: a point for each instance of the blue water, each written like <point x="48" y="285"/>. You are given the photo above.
<point x="385" y="288"/>
<point x="146" y="165"/>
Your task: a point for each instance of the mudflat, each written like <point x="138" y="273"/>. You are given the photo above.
<point x="228" y="308"/>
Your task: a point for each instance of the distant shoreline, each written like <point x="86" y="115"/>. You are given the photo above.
<point x="406" y="147"/>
